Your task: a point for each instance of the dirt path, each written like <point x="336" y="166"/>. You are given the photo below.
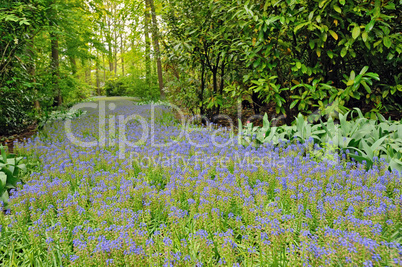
<point x="8" y="140"/>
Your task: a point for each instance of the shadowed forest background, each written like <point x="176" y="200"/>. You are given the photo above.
<point x="280" y="57"/>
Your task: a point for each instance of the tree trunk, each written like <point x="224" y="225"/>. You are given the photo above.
<point x="55" y="67"/>
<point x="147" y="46"/>
<point x="222" y="85"/>
<point x="155" y="37"/>
<point x="215" y="80"/>
<point x="87" y="66"/>
<point x="115" y="39"/>
<point x="109" y="42"/>
<point x="73" y="63"/>
<point x="104" y="69"/>
<point x="122" y="52"/>
<point x="97" y="75"/>
<point x="201" y="95"/>
<point x="31" y="71"/>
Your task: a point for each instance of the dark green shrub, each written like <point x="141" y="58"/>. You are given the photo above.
<point x="16" y="110"/>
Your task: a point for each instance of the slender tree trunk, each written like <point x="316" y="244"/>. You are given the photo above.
<point x="74" y="68"/>
<point x="132" y="50"/>
<point x="155" y="37"/>
<point x="201" y="95"/>
<point x="147" y="46"/>
<point x="215" y="80"/>
<point x="73" y="65"/>
<point x="122" y="52"/>
<point x="222" y="81"/>
<point x="115" y="26"/>
<point x="97" y="74"/>
<point x="31" y="71"/>
<point x="55" y="66"/>
<point x="109" y="42"/>
<point x="104" y="68"/>
<point x="88" y="77"/>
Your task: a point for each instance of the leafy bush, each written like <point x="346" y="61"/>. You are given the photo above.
<point x="132" y="86"/>
<point x="59" y="115"/>
<point x="10" y="174"/>
<point x="296" y="55"/>
<point x="115" y="88"/>
<point x="16" y="110"/>
<point x="321" y="42"/>
<point x="362" y="139"/>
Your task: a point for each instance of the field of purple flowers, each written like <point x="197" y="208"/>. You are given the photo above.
<point x="192" y="202"/>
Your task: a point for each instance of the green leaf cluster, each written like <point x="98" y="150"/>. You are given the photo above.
<point x="298" y="55"/>
<point x="365" y="140"/>
<point x="10" y="174"/>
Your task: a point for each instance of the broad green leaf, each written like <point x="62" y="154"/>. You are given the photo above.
<point x="356" y="32"/>
<point x="378" y="143"/>
<point x="312" y="44"/>
<point x="293" y="104"/>
<point x="22" y="167"/>
<point x="377" y="43"/>
<point x="298" y="27"/>
<point x="361" y="159"/>
<point x="3" y="180"/>
<point x="387" y="42"/>
<point x="364" y="36"/>
<point x="370" y="26"/>
<point x="260" y="36"/>
<point x="396" y="165"/>
<point x="364" y="70"/>
<point x="373" y="75"/>
<point x="310" y="16"/>
<point x="343" y="52"/>
<point x="337" y="9"/>
<point x="356" y="95"/>
<point x="7" y="171"/>
<point x="3" y="154"/>
<point x="266" y="123"/>
<point x="333" y="34"/>
<point x="330" y="54"/>
<point x="4" y="197"/>
<point x="366" y="86"/>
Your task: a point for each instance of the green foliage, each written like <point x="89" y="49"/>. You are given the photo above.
<point x="115" y="88"/>
<point x="365" y="140"/>
<point x="185" y="93"/>
<point x="10" y="174"/>
<point x="200" y="46"/>
<point x="53" y="116"/>
<point x="320" y="46"/>
<point x="28" y="84"/>
<point x="299" y="55"/>
<point x="16" y="111"/>
<point x="132" y="86"/>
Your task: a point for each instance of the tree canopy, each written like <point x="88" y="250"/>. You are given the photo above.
<point x="206" y="56"/>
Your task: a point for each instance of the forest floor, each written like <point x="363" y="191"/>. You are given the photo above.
<point x="245" y="114"/>
<point x="190" y="199"/>
<point x="8" y="140"/>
